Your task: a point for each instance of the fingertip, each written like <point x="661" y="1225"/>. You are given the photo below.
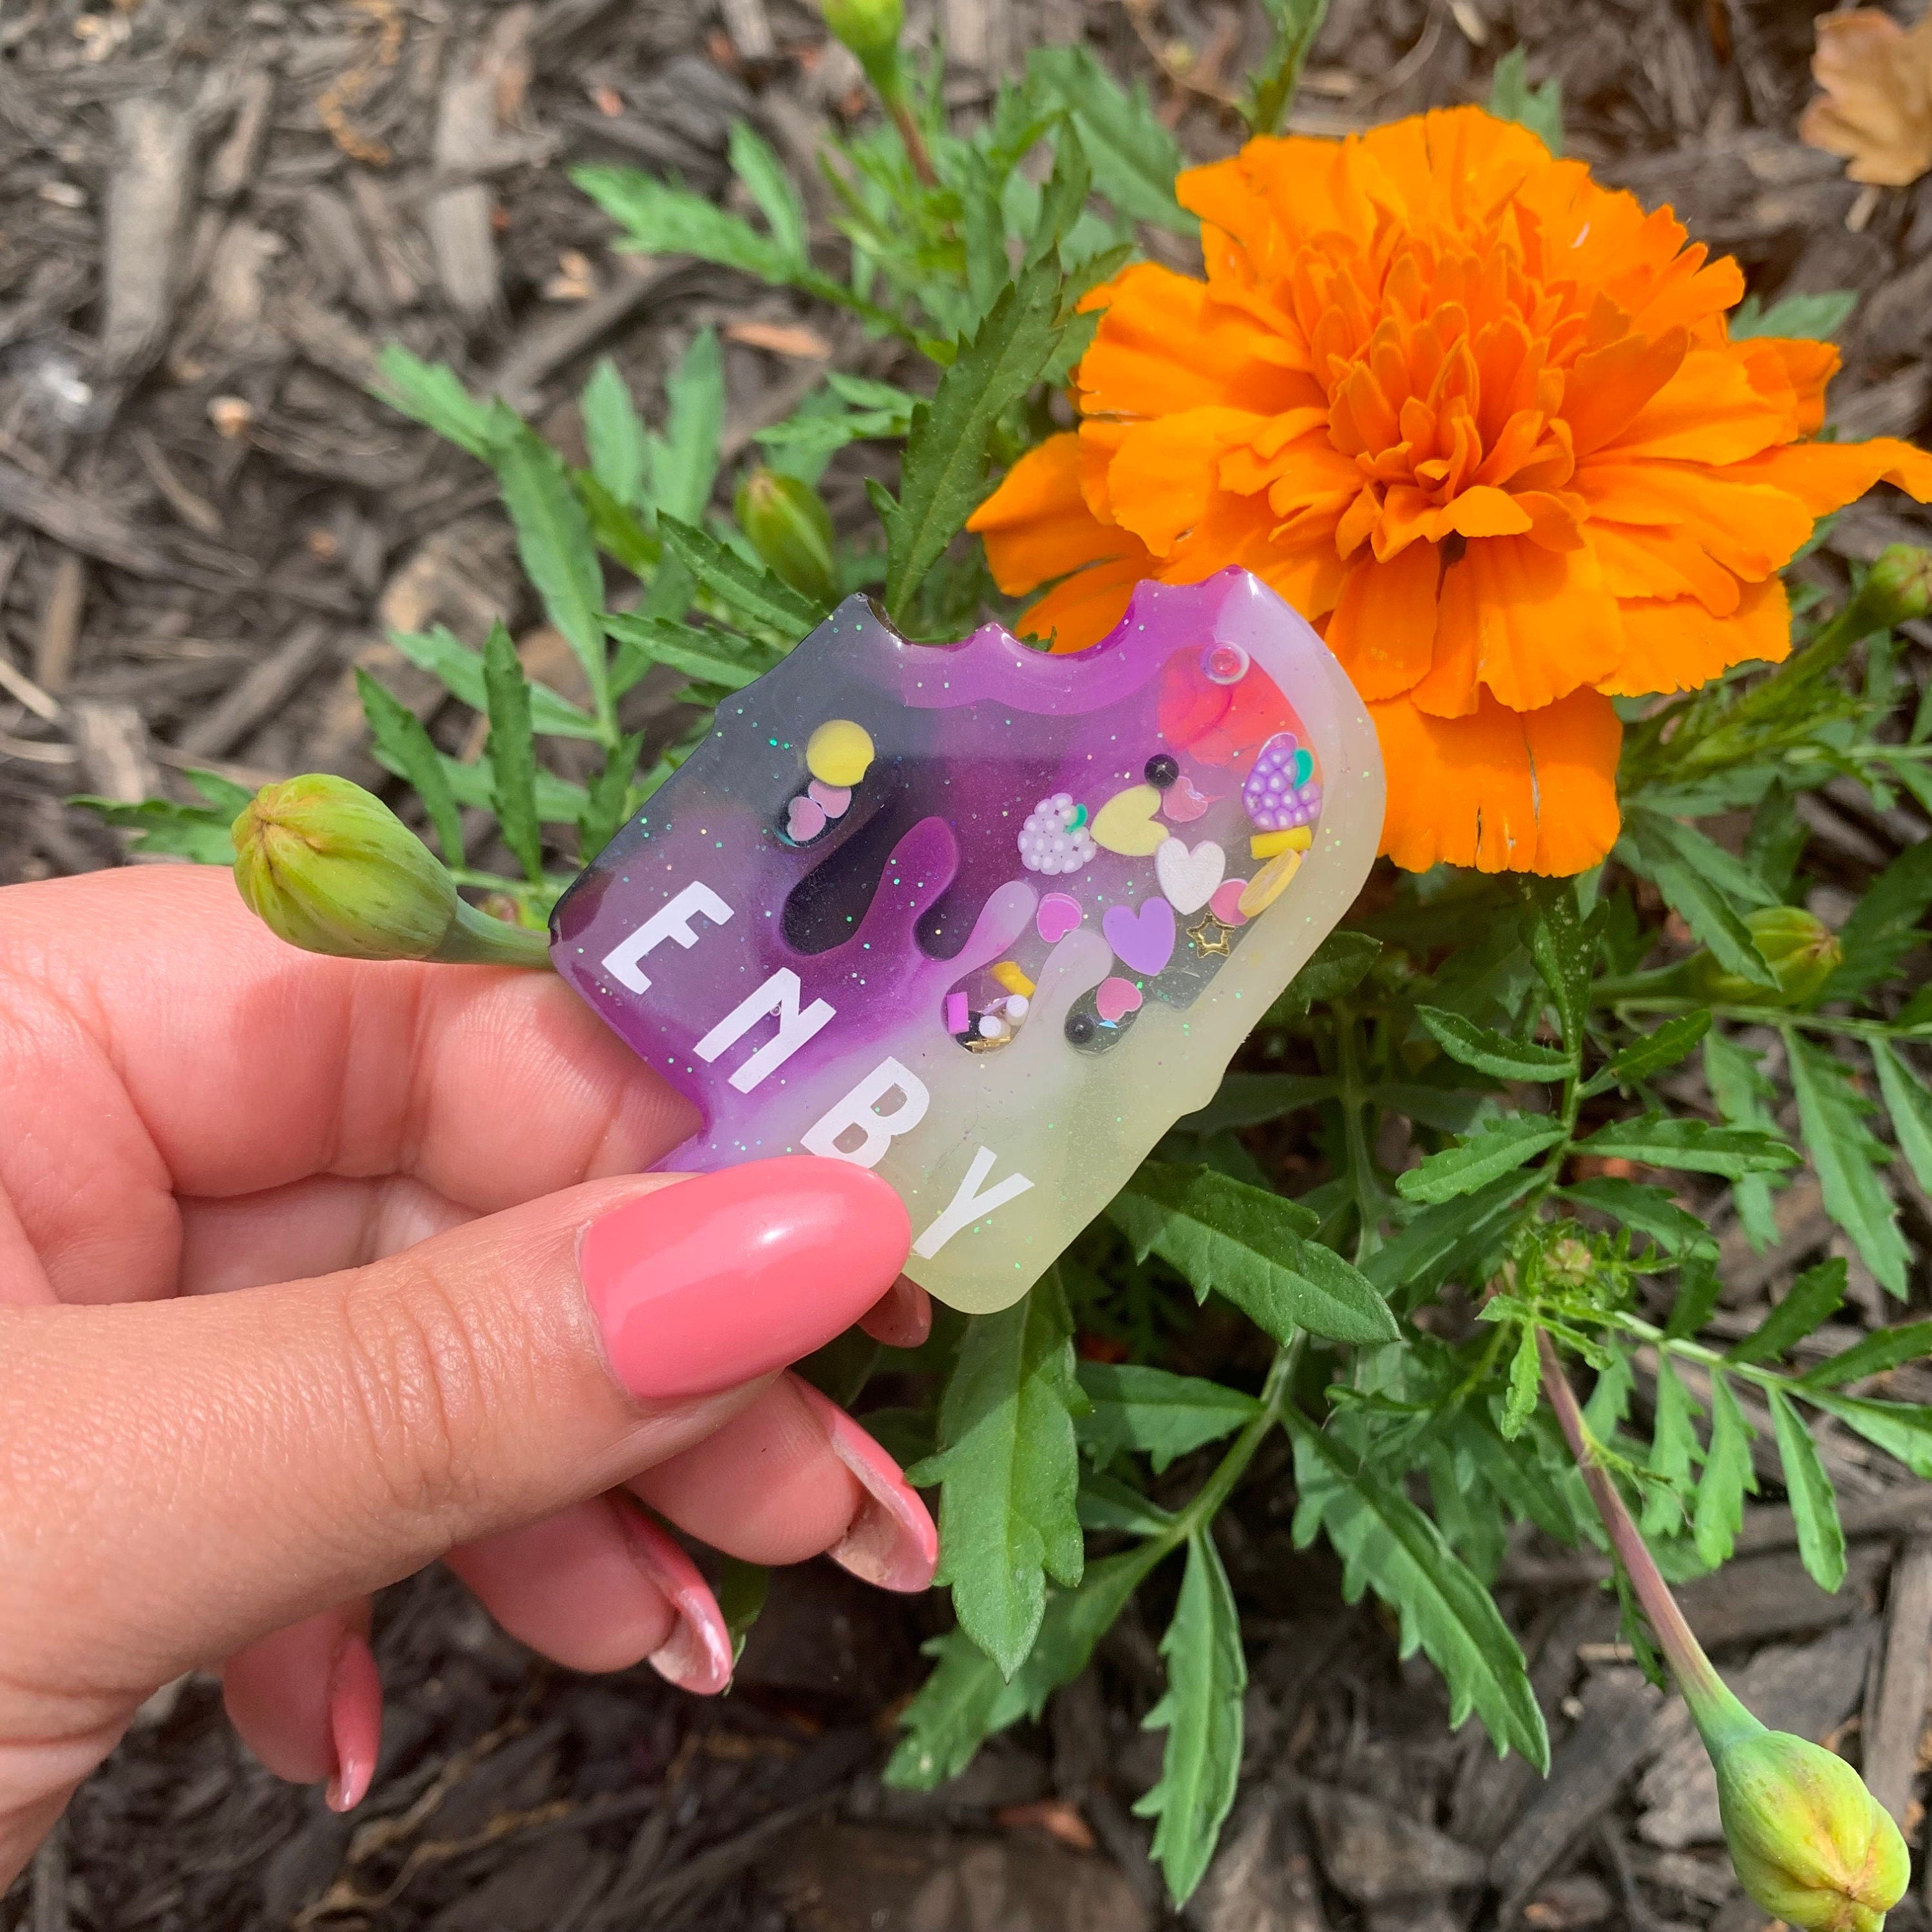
<point x="892" y="1541"/>
<point x="901" y="1317"/>
<point x="697" y="1657"/>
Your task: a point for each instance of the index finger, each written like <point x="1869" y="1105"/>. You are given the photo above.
<point x="154" y="1020"/>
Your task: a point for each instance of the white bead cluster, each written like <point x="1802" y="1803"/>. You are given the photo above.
<point x="1050" y="841"/>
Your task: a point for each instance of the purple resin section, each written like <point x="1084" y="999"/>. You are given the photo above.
<point x="1040" y="853"/>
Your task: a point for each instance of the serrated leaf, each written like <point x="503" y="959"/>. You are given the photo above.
<point x="1525" y="1381"/>
<point x="1884" y="1348"/>
<point x="1740" y="1091"/>
<point x="1848" y="1158"/>
<point x="406" y="748"/>
<point x="1814" y="1509"/>
<point x="661" y="220"/>
<point x="1645" y="1208"/>
<point x="1814" y="318"/>
<point x="1563" y="944"/>
<point x="1728" y="1476"/>
<point x="1134" y="156"/>
<point x="748" y="588"/>
<point x="1249" y="1100"/>
<point x="965" y="1700"/>
<point x="160" y="827"/>
<point x="459" y="668"/>
<point x="1493" y="1053"/>
<point x="1538" y="109"/>
<point x="1009" y="1471"/>
<point x="943" y="473"/>
<point x="1676" y="1040"/>
<point x="684" y="460"/>
<point x="1673" y="1448"/>
<point x="1698" y="1289"/>
<point x="510" y="751"/>
<point x="613" y="433"/>
<point x="610" y="798"/>
<point x="1252" y="1247"/>
<point x="1453" y="1238"/>
<point x="1499" y="1149"/>
<point x="1885" y="925"/>
<point x="1813" y="1297"/>
<point x="770" y="185"/>
<point x="1064" y="199"/>
<point x="1271" y="89"/>
<point x="1107" y="1503"/>
<point x="1386" y="1544"/>
<point x="431" y="394"/>
<point x="559" y="802"/>
<point x="1901" y="1429"/>
<point x="1207" y="1676"/>
<point x="1332" y="970"/>
<point x="1664" y="1140"/>
<point x="715" y="656"/>
<point x="559" y="557"/>
<point x="1910" y="1106"/>
<point x="1155" y="1412"/>
<point x="1699" y="879"/>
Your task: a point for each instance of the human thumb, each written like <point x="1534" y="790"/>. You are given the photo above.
<point x="181" y="1478"/>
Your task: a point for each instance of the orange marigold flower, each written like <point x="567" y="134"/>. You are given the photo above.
<point x="1481" y="421"/>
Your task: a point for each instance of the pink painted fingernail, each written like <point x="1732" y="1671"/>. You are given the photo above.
<point x="355" y="1723"/>
<point x="901" y="1317"/>
<point x="696" y="1655"/>
<point x="706" y="1284"/>
<point x="892" y="1541"/>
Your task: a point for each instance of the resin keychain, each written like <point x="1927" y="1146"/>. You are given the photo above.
<point x="987" y="920"/>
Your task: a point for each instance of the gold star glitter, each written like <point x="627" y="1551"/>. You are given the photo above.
<point x="1210" y="936"/>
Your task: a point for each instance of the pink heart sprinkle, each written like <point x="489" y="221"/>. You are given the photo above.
<point x="1181" y="803"/>
<point x="1226" y="905"/>
<point x="805" y="820"/>
<point x="1059" y="914"/>
<point x="1116" y="998"/>
<point x="834" y="801"/>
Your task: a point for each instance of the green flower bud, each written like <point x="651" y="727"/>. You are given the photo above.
<point x="1810" y="1843"/>
<point x="870" y="27"/>
<point x="791" y="529"/>
<point x="1803" y="953"/>
<point x="1897" y="588"/>
<point x="329" y="867"/>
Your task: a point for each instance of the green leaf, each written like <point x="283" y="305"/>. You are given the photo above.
<point x="1698" y="1288"/>
<point x="1814" y="1509"/>
<point x="554" y="540"/>
<point x="512" y="755"/>
<point x="1646" y="1208"/>
<point x="1454" y="1238"/>
<point x="1564" y="943"/>
<point x="1494" y="1053"/>
<point x="684" y="461"/>
<point x="1910" y="1106"/>
<point x="1728" y="1476"/>
<point x="431" y="394"/>
<point x="460" y="669"/>
<point x="399" y="734"/>
<point x="162" y="828"/>
<point x="1900" y="1428"/>
<point x="613" y="433"/>
<point x="1134" y="158"/>
<point x="1525" y="1381"/>
<point x="1538" y="109"/>
<point x="1064" y="200"/>
<point x="1813" y="1297"/>
<point x="965" y="1700"/>
<point x="1673" y="1448"/>
<point x="1695" y="1146"/>
<point x="1249" y="1100"/>
<point x="717" y="657"/>
<point x="1271" y="90"/>
<point x="748" y="588"/>
<point x="1814" y="318"/>
<point x="1207" y="1674"/>
<point x="1106" y="1503"/>
<point x="1332" y="970"/>
<point x="1740" y="1091"/>
<point x="1847" y="1158"/>
<point x="661" y="220"/>
<point x="1499" y="1149"/>
<point x="1251" y="1247"/>
<point x="1884" y="925"/>
<point x="1161" y="1415"/>
<point x="1009" y="1471"/>
<point x="770" y="186"/>
<point x="1673" y="1041"/>
<point x="742" y="1590"/>
<point x="1386" y="1544"/>
<point x="610" y="798"/>
<point x="1884" y="1348"/>
<point x="943" y="473"/>
<point x="1699" y="880"/>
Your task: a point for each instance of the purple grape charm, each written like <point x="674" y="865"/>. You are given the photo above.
<point x="1280" y="792"/>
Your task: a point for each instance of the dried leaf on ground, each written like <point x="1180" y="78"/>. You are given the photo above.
<point x="1876" y="105"/>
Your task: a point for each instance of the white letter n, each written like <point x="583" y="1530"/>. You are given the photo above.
<point x="779" y="995"/>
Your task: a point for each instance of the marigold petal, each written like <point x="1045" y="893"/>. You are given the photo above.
<point x="1159" y="484"/>
<point x="1500" y="791"/>
<point x="1487" y="512"/>
<point x="1709" y="412"/>
<point x="1826" y="476"/>
<point x="1083" y="609"/>
<point x="1677" y="644"/>
<point x="1036" y="524"/>
<point x="1100" y="440"/>
<point x="1743" y="522"/>
<point x="1545" y="622"/>
<point x="1607" y="389"/>
<point x="1637" y="562"/>
<point x="1792" y="373"/>
<point x="1383" y="628"/>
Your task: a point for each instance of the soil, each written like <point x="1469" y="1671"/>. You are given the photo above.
<point x="212" y="213"/>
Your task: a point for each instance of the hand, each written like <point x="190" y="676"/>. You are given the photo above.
<point x="493" y="1337"/>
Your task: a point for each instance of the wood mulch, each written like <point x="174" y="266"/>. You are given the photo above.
<point x="214" y="214"/>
